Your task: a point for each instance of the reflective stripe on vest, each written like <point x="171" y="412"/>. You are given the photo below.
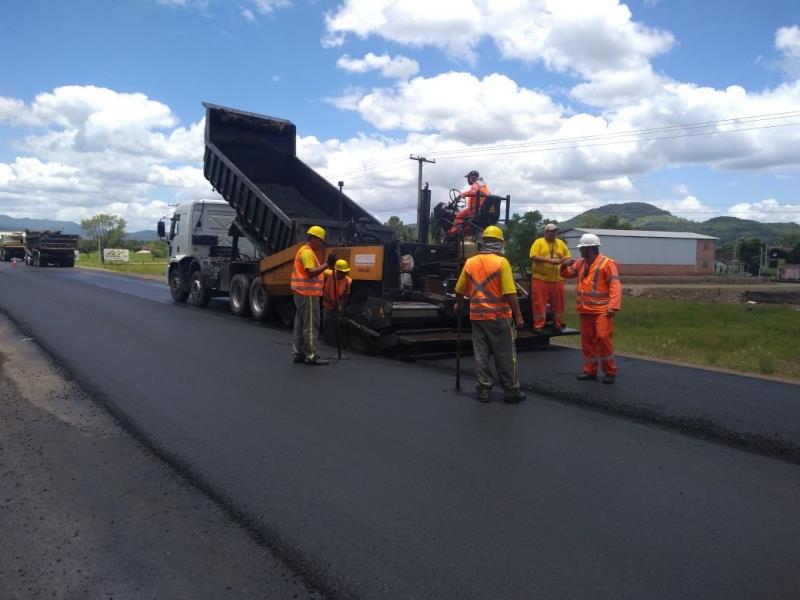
<point x="301" y="283"/>
<point x="484" y="289"/>
<point x="593" y="297"/>
<point x="328" y="298"/>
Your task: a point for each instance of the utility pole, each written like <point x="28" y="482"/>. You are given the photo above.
<point x="420" y="160"/>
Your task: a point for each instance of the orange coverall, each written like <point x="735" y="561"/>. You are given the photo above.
<point x="599" y="291"/>
<point x="472" y="207"/>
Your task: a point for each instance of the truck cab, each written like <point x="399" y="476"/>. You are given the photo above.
<point x="204" y="245"/>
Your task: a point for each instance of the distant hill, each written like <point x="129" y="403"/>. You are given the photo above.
<point x="13" y="224"/>
<point x="643" y="216"/>
<point x="142" y="236"/>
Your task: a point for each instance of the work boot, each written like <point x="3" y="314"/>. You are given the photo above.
<point x="537" y="330"/>
<point x="317" y="361"/>
<point x="484" y="395"/>
<point x="514" y="397"/>
<point x="609" y="378"/>
<point x="299" y="358"/>
<point x="587" y="377"/>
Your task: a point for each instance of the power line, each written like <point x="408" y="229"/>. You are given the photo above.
<point x="629" y="137"/>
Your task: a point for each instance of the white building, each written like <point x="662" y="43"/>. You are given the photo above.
<point x="651" y="252"/>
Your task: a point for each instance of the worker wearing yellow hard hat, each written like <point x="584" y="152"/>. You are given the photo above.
<point x="307" y="285"/>
<point x="494" y="315"/>
<point x="335" y="293"/>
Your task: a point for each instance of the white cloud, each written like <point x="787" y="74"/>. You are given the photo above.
<point x="92" y="148"/>
<point x="397" y="67"/>
<point x="566" y="35"/>
<point x="266" y="7"/>
<point x="248" y="15"/>
<point x="787" y="42"/>
<point x="459" y="105"/>
<point x="768" y="210"/>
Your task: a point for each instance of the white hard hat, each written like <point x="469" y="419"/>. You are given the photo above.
<point x="588" y="239"/>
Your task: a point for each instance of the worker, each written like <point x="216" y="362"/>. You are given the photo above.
<point x="487" y="281"/>
<point x="307" y="284"/>
<point x="477" y="189"/>
<point x="335" y="289"/>
<point x="599" y="299"/>
<point x="547" y="286"/>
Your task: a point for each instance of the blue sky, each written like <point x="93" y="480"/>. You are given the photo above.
<point x="100" y="105"/>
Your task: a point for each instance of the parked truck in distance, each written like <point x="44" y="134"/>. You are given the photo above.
<point x="50" y="248"/>
<point x="12" y="246"/>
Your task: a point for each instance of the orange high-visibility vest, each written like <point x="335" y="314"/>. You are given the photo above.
<point x="301" y="283"/>
<point x="486" y="302"/>
<point x="599" y="289"/>
<point x="342" y="289"/>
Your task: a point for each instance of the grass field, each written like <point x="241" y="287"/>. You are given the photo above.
<point x="746" y="338"/>
<point x="139" y="263"/>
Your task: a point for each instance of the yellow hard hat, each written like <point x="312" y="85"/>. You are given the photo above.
<point x="342" y="266"/>
<point x="316" y="231"/>
<point x="492" y="231"/>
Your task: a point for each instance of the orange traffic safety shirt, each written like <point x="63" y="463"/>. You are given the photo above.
<point x="301" y="283"/>
<point x="486" y="278"/>
<point x="599" y="287"/>
<point x="341" y="290"/>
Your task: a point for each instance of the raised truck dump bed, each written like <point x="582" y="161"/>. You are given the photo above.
<point x="251" y="161"/>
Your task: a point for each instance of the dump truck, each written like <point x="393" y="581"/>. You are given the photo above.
<point x="12" y="246"/>
<point x="402" y="297"/>
<point x="50" y="248"/>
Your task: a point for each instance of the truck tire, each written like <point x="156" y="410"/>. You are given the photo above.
<point x="178" y="287"/>
<point x="286" y="312"/>
<point x="240" y="295"/>
<point x="258" y="300"/>
<point x="198" y="295"/>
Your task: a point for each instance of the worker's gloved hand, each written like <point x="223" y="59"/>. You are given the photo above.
<point x="567" y="262"/>
<point x="331" y="261"/>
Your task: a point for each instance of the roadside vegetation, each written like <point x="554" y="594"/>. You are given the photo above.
<point x="139" y="263"/>
<point x="748" y="338"/>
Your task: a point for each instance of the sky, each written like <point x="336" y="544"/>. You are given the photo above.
<point x="691" y="105"/>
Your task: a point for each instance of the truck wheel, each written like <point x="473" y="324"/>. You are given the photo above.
<point x="259" y="300"/>
<point x="177" y="285"/>
<point x="286" y="312"/>
<point x="198" y="295"/>
<point x="240" y="295"/>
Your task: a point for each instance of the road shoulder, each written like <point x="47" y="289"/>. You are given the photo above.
<point x="87" y="512"/>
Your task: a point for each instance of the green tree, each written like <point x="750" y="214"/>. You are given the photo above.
<point x="793" y="258"/>
<point x="520" y="231"/>
<point x="749" y="254"/>
<point x="401" y="231"/>
<point x="104" y="230"/>
<point x="790" y="240"/>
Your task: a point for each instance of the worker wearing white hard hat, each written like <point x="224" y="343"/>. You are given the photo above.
<point x="547" y="253"/>
<point x="599" y="298"/>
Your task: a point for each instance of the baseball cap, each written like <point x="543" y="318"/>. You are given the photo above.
<point x="551" y="227"/>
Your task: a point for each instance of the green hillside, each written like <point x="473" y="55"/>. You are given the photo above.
<point x="643" y="216"/>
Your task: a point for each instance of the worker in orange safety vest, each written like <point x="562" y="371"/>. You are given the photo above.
<point x="494" y="315"/>
<point x="336" y="289"/>
<point x="476" y="191"/>
<point x="547" y="286"/>
<point x="307" y="285"/>
<point x="599" y="299"/>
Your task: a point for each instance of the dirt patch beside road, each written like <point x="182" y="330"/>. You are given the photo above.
<point x="725" y="294"/>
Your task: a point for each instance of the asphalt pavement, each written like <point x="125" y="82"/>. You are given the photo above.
<point x="372" y="479"/>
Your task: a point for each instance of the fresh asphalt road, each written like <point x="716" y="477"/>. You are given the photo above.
<point x="372" y="479"/>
